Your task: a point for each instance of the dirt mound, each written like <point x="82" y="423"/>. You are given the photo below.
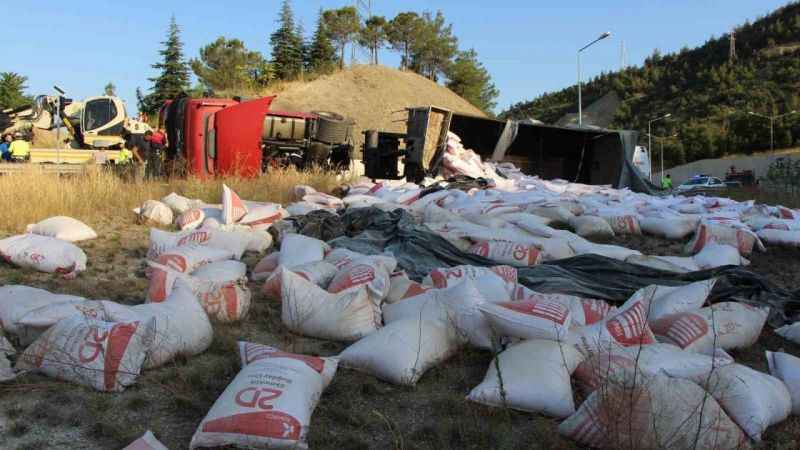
<point x="373" y="96"/>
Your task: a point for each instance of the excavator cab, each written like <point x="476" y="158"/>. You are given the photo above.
<point x="102" y="122"/>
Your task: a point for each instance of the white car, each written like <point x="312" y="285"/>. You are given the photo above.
<point x="702" y="184"/>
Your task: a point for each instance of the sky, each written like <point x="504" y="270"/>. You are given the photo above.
<point x="528" y="46"/>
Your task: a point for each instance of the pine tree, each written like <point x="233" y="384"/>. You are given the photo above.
<point x="468" y="78"/>
<point x="287" y="46"/>
<point x="373" y="36"/>
<point x="342" y="25"/>
<point x="12" y="87"/>
<point x="402" y="33"/>
<point x="174" y="77"/>
<point x="321" y="55"/>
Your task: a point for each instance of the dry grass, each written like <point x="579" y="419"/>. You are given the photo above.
<point x="31" y="196"/>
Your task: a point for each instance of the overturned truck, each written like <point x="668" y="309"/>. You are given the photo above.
<point x="582" y="155"/>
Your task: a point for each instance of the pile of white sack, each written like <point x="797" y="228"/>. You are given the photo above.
<point x="654" y="372"/>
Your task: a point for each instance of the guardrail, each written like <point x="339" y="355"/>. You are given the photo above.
<point x="55" y="169"/>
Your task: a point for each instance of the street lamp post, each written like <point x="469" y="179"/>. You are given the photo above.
<point x="580" y="100"/>
<point x="650" y="141"/>
<point x="772" y="120"/>
<point x="662" y="138"/>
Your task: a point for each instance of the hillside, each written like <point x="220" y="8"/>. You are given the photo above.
<point x="370" y="95"/>
<point x="707" y="95"/>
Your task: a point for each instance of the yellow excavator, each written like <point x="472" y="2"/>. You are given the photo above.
<point x="96" y="127"/>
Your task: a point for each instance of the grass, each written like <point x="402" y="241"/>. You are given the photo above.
<point x="31" y="196"/>
<point x="768" y="197"/>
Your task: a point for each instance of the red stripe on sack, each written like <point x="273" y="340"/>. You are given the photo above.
<point x="265" y="221"/>
<point x="687" y="329"/>
<point x="195" y="236"/>
<point x="507" y="273"/>
<point x="480" y="249"/>
<point x="415" y="289"/>
<point x="173" y="261"/>
<point x="786" y="213"/>
<point x="257" y="352"/>
<point x="701" y="238"/>
<point x="627" y="327"/>
<point x="231" y="300"/>
<point x="157" y="291"/>
<point x="594" y="310"/>
<point x="439" y="278"/>
<point x="269" y="424"/>
<point x="116" y="345"/>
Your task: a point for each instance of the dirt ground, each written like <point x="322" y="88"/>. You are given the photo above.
<point x="356" y="412"/>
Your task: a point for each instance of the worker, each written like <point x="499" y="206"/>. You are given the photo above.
<point x="140" y="149"/>
<point x="19" y="148"/>
<point x="153" y="167"/>
<point x="5" y="143"/>
<point x="666" y="182"/>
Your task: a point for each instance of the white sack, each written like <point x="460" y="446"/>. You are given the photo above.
<point x="780" y="237"/>
<point x="529" y="319"/>
<point x="456" y="306"/>
<point x="318" y="272"/>
<point x="297" y="249"/>
<point x="17" y="301"/>
<point x="402" y="351"/>
<point x="715" y="255"/>
<point x="311" y="311"/>
<point x="496" y="284"/>
<point x="676" y="299"/>
<point x="658" y="412"/>
<point x="161" y="241"/>
<point x="371" y="271"/>
<point x="266" y="266"/>
<point x="617" y="363"/>
<point x="147" y="442"/>
<point x="45" y="254"/>
<point x="789" y="332"/>
<point x="753" y="399"/>
<point x="786" y="368"/>
<point x="591" y="227"/>
<point x="535" y="378"/>
<point x="726" y="325"/>
<point x="64" y="228"/>
<point x="181" y="325"/>
<point x="626" y="326"/>
<point x="269" y="403"/>
<point x="105" y="356"/>
<point x="154" y="212"/>
<point x="190" y="219"/>
<point x="180" y="204"/>
<point x="233" y="208"/>
<point x="506" y="252"/>
<point x="262" y="217"/>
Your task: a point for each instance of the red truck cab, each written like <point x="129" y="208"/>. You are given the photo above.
<point x="216" y="136"/>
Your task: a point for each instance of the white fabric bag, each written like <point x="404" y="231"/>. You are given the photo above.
<point x="535" y="378"/>
<point x="64" y="228"/>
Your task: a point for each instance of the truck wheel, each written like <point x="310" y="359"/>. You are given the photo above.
<point x="332" y="128"/>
